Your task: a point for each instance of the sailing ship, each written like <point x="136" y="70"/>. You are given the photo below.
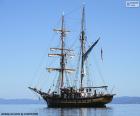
<point x="71" y="96"/>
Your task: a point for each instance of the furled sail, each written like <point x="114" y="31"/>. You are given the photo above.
<point x="89" y="50"/>
<point x="68" y="70"/>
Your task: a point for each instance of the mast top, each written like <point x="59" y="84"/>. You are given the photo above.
<point x="83" y="3"/>
<point x="63" y="13"/>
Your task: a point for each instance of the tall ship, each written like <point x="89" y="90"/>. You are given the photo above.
<point x="74" y="96"/>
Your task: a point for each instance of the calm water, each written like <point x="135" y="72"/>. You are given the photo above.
<point x="42" y="110"/>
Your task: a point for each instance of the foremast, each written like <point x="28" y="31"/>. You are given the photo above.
<point x="63" y="54"/>
<point x="62" y="63"/>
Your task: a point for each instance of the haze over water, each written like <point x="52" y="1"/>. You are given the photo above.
<point x="42" y="110"/>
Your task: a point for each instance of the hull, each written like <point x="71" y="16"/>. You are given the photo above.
<point x="79" y="102"/>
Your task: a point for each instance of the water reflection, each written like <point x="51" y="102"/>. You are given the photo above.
<point x="76" y="112"/>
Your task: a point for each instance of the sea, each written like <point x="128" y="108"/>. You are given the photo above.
<point x="42" y="110"/>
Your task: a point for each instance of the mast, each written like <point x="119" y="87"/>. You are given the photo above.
<point x="62" y="63"/>
<point x="62" y="54"/>
<point x="82" y="44"/>
<point x="84" y="52"/>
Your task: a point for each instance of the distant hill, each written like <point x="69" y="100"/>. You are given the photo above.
<point x="21" y="101"/>
<point x="126" y="100"/>
<point x="116" y="100"/>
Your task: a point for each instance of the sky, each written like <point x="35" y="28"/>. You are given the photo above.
<point x="26" y="34"/>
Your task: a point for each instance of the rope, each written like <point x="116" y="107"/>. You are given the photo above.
<point x="99" y="70"/>
<point x="78" y="68"/>
<point x="41" y="61"/>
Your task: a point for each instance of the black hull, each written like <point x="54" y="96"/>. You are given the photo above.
<point x="77" y="105"/>
<point x="81" y="102"/>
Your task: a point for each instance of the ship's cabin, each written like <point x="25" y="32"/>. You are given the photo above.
<point x="71" y="93"/>
<point x="94" y="91"/>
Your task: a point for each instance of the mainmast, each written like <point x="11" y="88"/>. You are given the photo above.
<point x="84" y="52"/>
<point x="82" y="44"/>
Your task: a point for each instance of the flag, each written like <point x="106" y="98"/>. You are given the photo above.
<point x="101" y="54"/>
